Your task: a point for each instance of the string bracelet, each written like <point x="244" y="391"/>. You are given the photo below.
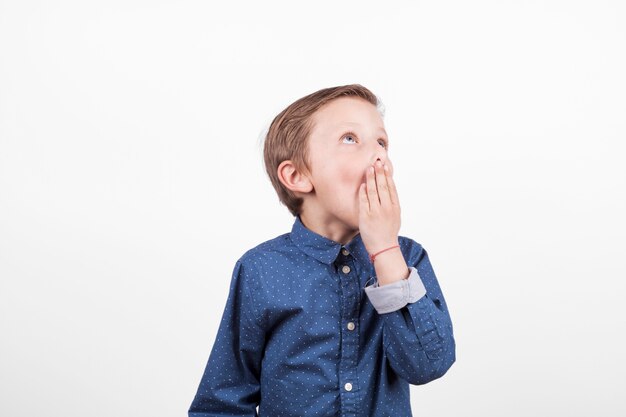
<point x="378" y="253"/>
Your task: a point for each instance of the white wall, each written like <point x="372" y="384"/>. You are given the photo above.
<point x="131" y="180"/>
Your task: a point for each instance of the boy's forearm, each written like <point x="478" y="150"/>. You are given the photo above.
<point x="390" y="267"/>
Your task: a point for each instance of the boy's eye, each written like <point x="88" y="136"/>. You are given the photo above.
<point x="352" y="137"/>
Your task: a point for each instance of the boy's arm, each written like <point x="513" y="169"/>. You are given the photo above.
<point x="417" y="330"/>
<point x="231" y="381"/>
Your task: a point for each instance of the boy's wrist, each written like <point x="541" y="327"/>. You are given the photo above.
<point x="390" y="266"/>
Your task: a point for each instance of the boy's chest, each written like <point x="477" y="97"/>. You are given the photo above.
<point x="317" y="290"/>
<point x="316" y="317"/>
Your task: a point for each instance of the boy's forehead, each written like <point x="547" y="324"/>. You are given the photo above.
<point x="328" y="127"/>
<point x="348" y="113"/>
<point x="377" y="126"/>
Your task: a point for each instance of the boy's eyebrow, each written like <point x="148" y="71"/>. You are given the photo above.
<point x="341" y="127"/>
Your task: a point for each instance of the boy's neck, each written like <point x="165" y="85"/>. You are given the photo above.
<point x="331" y="228"/>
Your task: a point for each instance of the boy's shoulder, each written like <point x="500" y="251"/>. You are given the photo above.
<point x="261" y="263"/>
<point x="280" y="244"/>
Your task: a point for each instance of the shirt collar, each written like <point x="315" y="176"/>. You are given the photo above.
<point x="324" y="249"/>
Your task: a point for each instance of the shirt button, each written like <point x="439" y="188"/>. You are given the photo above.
<point x="348" y="386"/>
<point x="345" y="252"/>
<point x="350" y="326"/>
<point x="345" y="269"/>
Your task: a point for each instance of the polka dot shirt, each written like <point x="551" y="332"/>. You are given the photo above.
<point x="307" y="331"/>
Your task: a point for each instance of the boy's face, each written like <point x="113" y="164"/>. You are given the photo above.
<point x="348" y="136"/>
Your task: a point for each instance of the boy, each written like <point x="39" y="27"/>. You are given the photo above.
<point x="305" y="332"/>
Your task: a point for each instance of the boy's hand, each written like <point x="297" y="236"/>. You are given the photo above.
<point x="379" y="210"/>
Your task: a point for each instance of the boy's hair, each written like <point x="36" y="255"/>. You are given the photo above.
<point x="288" y="135"/>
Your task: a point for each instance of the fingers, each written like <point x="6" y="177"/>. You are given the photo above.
<point x="380" y="187"/>
<point x="393" y="192"/>
<point x="372" y="192"/>
<point x="381" y="182"/>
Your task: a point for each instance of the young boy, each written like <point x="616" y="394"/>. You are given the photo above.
<point x="305" y="331"/>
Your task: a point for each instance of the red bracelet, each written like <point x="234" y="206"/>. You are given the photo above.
<point x="376" y="254"/>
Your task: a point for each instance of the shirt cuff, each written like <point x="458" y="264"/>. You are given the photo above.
<point x="394" y="296"/>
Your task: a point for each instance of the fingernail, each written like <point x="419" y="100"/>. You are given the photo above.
<point x="386" y="168"/>
<point x="371" y="169"/>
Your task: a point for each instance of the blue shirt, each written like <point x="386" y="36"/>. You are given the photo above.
<point x="307" y="331"/>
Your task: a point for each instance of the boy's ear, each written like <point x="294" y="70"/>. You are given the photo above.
<point x="292" y="179"/>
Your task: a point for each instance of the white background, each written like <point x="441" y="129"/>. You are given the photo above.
<point x="131" y="180"/>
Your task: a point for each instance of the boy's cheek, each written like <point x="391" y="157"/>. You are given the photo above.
<point x="345" y="181"/>
<point x="364" y="177"/>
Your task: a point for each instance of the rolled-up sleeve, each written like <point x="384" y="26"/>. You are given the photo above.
<point x="394" y="296"/>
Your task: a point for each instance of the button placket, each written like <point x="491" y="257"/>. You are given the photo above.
<point x="349" y="284"/>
